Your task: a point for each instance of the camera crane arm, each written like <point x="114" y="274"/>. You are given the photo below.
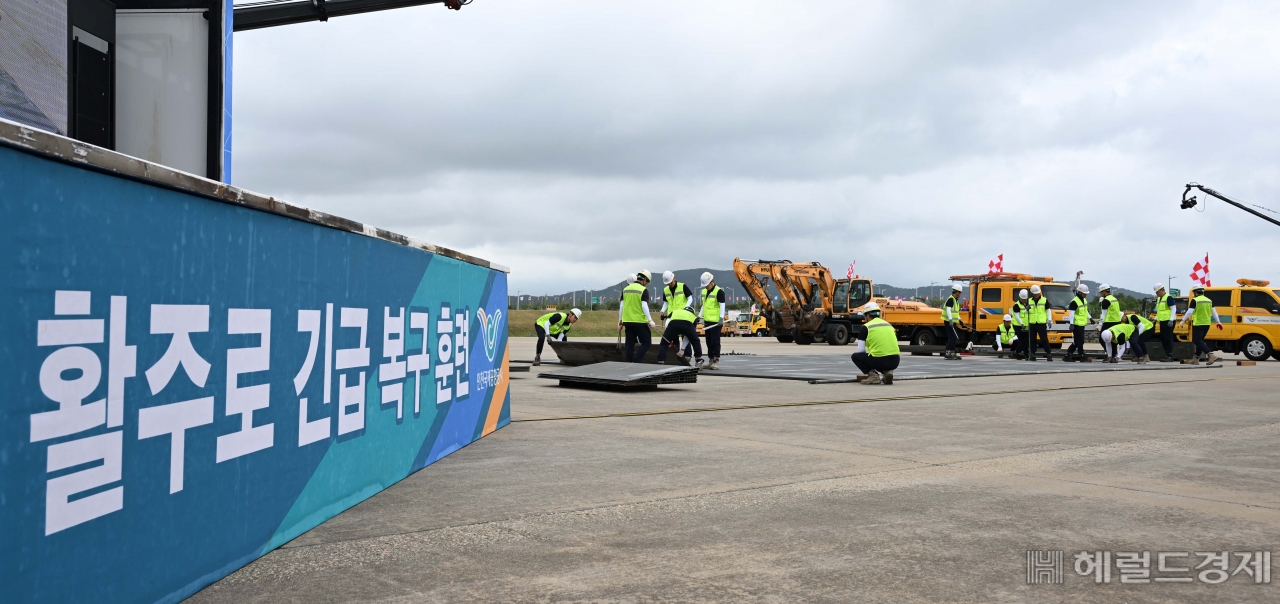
<point x="1191" y="203"/>
<point x="273" y="13"/>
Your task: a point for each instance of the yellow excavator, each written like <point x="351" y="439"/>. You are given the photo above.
<point x="812" y="306"/>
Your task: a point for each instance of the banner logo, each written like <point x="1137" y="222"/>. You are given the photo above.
<point x="489" y="325"/>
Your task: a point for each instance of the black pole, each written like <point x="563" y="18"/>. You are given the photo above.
<point x="1225" y="199"/>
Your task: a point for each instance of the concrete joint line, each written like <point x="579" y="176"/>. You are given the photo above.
<point x="879" y="399"/>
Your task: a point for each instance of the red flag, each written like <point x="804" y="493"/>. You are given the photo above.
<point x="1200" y="272"/>
<point x="997" y="265"/>
<point x="850" y="275"/>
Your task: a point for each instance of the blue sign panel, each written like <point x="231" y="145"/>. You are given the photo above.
<point x="191" y="383"/>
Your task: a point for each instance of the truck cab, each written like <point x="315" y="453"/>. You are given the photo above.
<point x="992" y="296"/>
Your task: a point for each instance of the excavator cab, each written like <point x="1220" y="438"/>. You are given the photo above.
<point x="850" y="294"/>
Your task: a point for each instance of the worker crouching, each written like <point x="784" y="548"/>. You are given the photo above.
<point x="1005" y="335"/>
<point x="553" y="326"/>
<point x="677" y="307"/>
<point x="878" y="354"/>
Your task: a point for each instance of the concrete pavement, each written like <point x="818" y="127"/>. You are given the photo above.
<point x="921" y="491"/>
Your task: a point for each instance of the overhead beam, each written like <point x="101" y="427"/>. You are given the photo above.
<point x="303" y="11"/>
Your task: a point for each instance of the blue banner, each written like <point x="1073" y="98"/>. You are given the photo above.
<point x="193" y="383"/>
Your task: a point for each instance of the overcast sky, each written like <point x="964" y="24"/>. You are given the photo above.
<point x="578" y="140"/>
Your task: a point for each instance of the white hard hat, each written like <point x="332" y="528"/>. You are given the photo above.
<point x="707" y="278"/>
<point x="1008" y="318"/>
<point x="647" y="275"/>
<point x="1035" y="289"/>
<point x="577" y="313"/>
<point x="870" y="307"/>
<point x="1159" y="286"/>
<point x="1104" y="287"/>
<point x="1084" y="289"/>
<point x="956" y="287"/>
<point x="631" y="279"/>
<point x="668" y="277"/>
<point x="1023" y="294"/>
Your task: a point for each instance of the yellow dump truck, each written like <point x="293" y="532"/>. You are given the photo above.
<point x="751" y="324"/>
<point x="1250" y="313"/>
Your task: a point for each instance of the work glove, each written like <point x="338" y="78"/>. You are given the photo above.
<point x="1219" y="326"/>
<point x="652" y="324"/>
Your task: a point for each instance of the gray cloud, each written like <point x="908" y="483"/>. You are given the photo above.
<point x="577" y="141"/>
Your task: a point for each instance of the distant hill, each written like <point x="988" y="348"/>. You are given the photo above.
<point x="726" y="279"/>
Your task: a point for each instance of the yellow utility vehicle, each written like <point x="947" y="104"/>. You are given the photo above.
<point x="991" y="297"/>
<point x="814" y="307"/>
<point x="751" y="324"/>
<point x="1250" y="314"/>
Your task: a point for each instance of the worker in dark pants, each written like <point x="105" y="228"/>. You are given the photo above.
<point x="1038" y="321"/>
<point x="713" y="314"/>
<point x="952" y="322"/>
<point x="1077" y="318"/>
<point x="677" y="306"/>
<point x="1110" y="314"/>
<point x="1019" y="314"/>
<point x="1199" y="309"/>
<point x="633" y="316"/>
<point x="553" y="326"/>
<point x="878" y="355"/>
<point x="1165" y="312"/>
<point x="1115" y="340"/>
<point x="1142" y="333"/>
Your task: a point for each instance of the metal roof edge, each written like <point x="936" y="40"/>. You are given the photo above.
<point x="61" y="148"/>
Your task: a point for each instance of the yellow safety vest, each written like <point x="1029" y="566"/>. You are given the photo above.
<point x="881" y="339"/>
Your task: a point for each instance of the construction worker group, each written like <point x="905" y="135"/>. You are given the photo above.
<point x="1026" y="328"/>
<point x="679" y="319"/>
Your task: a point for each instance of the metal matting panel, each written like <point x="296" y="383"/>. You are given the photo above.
<point x="588" y="353"/>
<point x="838" y="368"/>
<point x="624" y="374"/>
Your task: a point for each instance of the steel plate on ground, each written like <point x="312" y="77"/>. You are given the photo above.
<point x="624" y="374"/>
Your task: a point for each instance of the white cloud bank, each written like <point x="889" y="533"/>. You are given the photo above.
<point x="577" y="141"/>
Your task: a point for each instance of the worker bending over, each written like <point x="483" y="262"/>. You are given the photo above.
<point x="1115" y="340"/>
<point x="1019" y="312"/>
<point x="1166" y="310"/>
<point x="878" y="355"/>
<point x="1077" y="317"/>
<point x="1141" y="334"/>
<point x="1111" y="313"/>
<point x="555" y="326"/>
<point x="951" y="321"/>
<point x="1039" y="318"/>
<point x="1005" y="334"/>
<point x="1199" y="309"/>
<point x="633" y="316"/>
<point x="713" y="313"/>
<point x="677" y="309"/>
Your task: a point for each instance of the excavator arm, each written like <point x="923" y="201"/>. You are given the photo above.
<point x="750" y="275"/>
<point x="804" y="276"/>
